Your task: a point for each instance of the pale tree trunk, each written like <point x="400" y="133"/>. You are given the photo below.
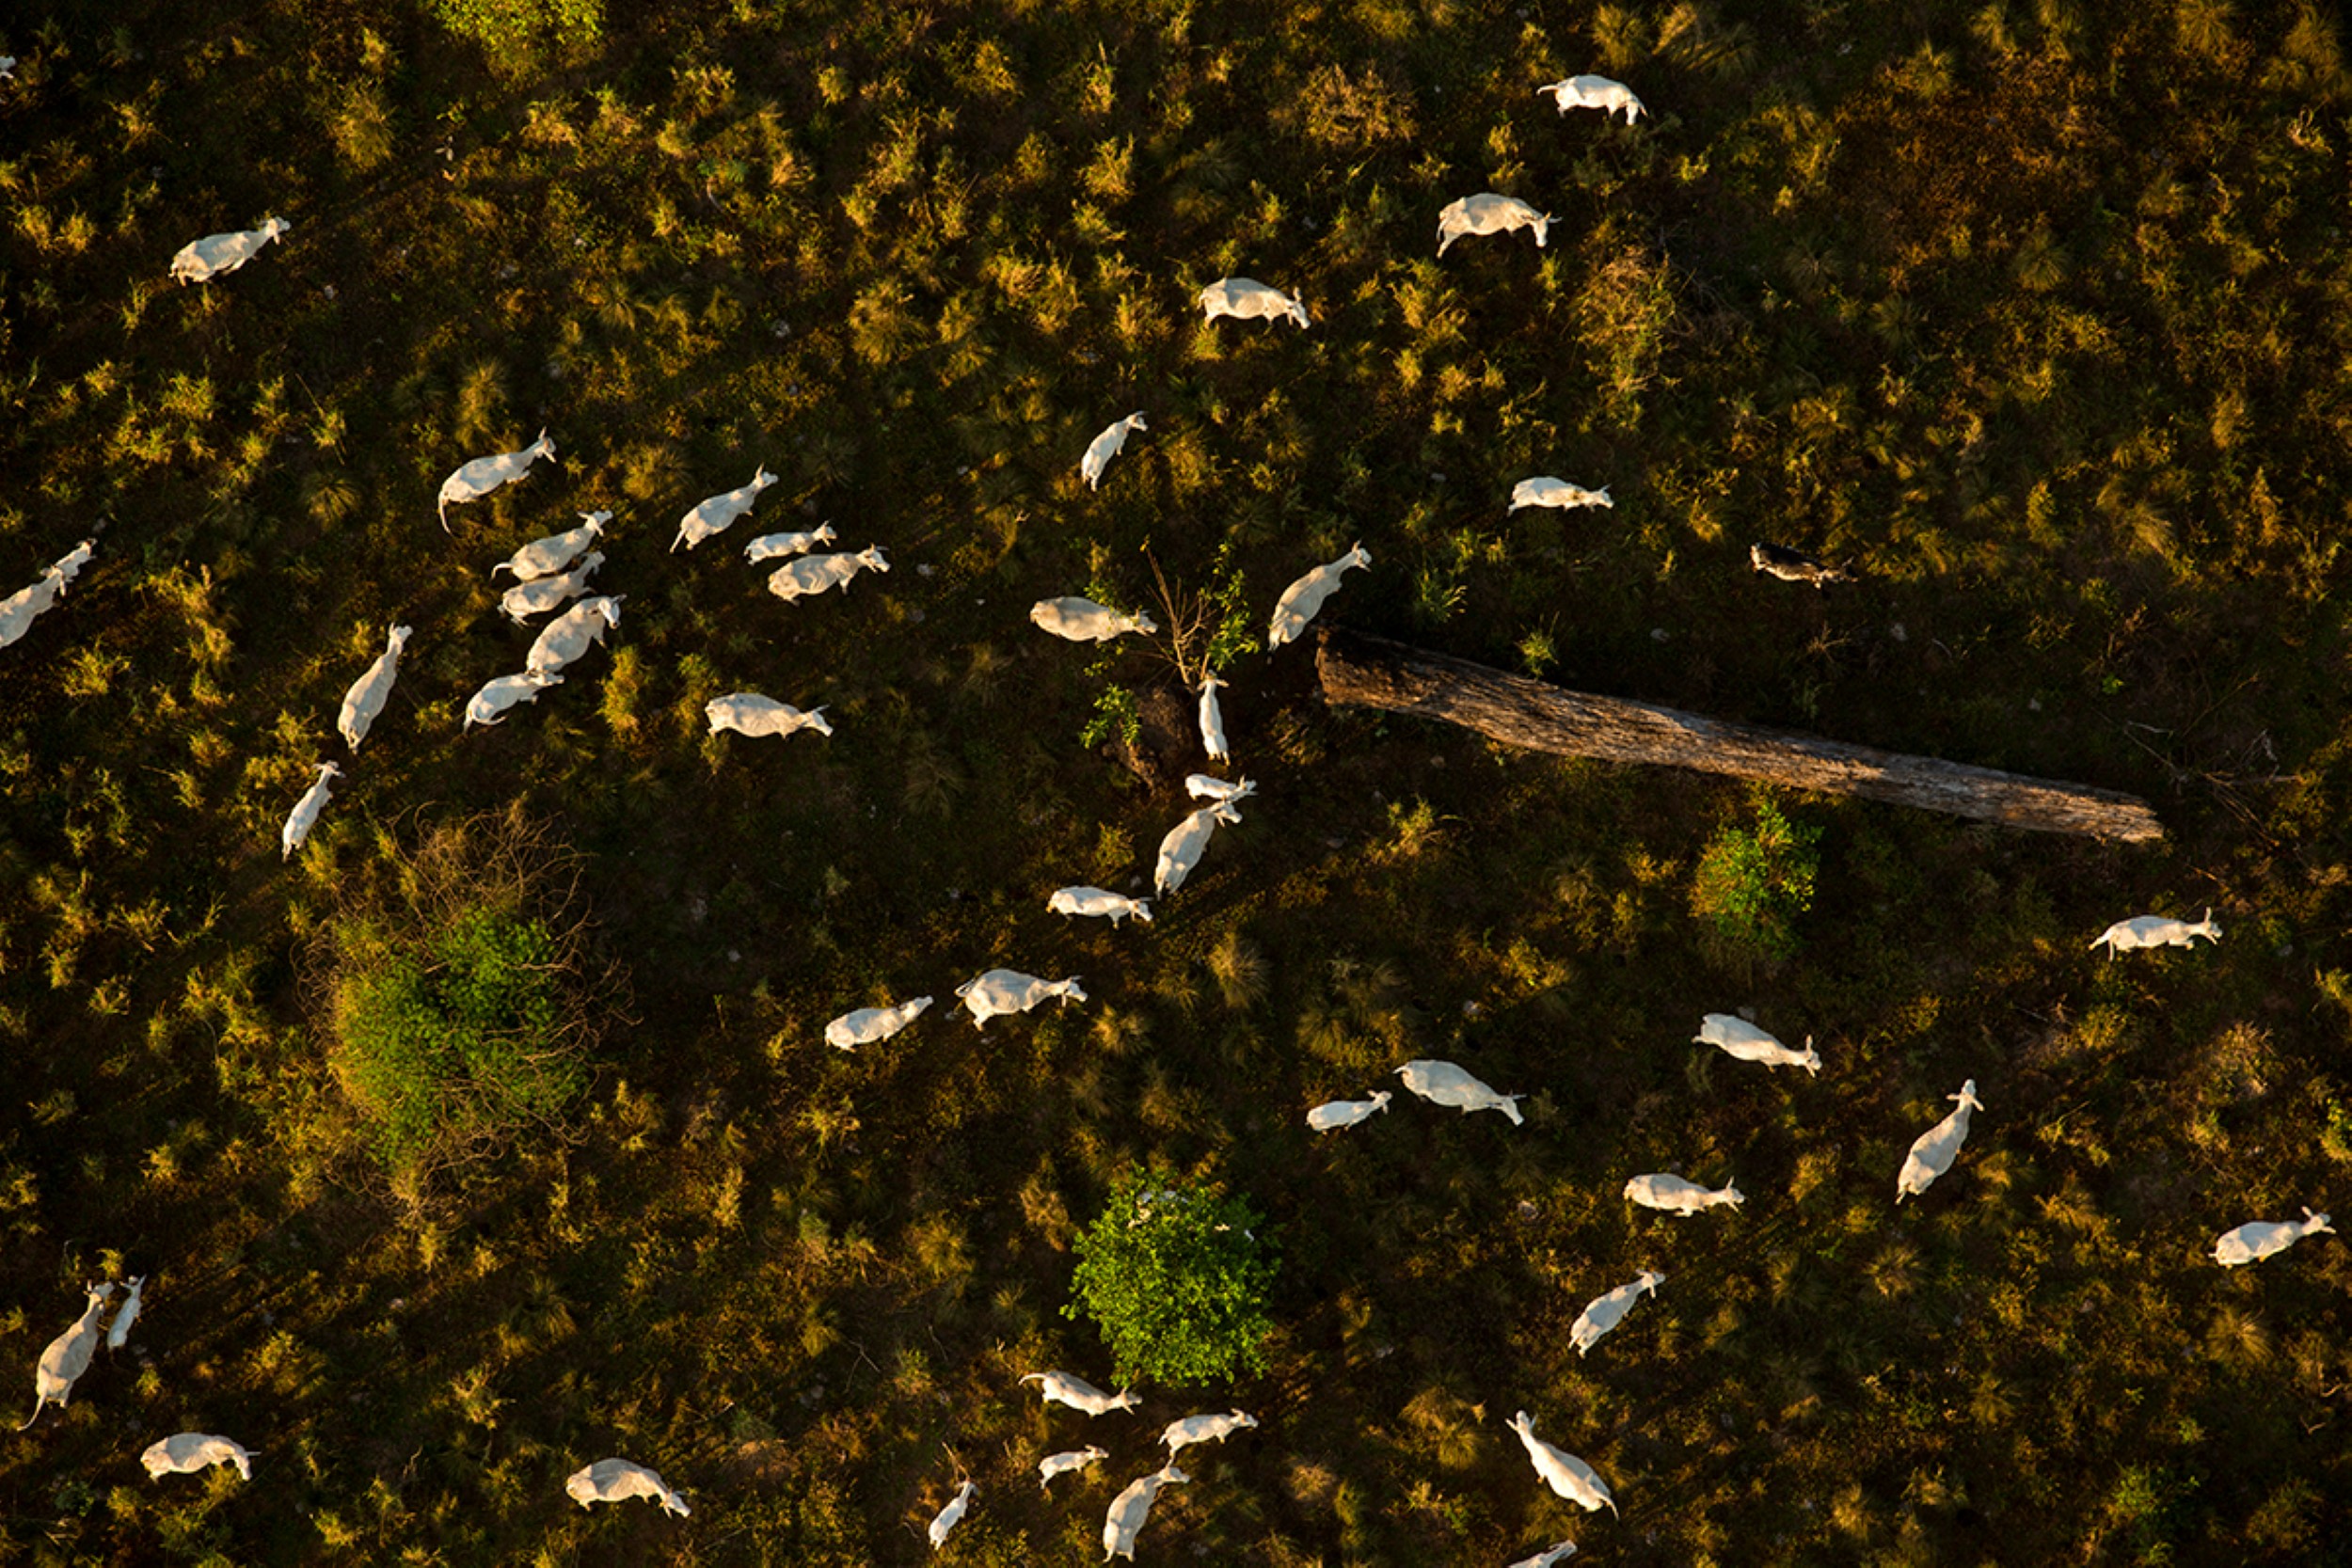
<point x="1372" y="671"/>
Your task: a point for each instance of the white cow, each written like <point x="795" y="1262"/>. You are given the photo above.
<point x="119" y="1331"/>
<point x="1131" y="1508"/>
<point x="1332" y="1114"/>
<point x="1246" y="299"/>
<point x="1665" y="1191"/>
<point x="1544" y="490"/>
<point x="1084" y="620"/>
<point x="774" y="546"/>
<point x="1179" y="1435"/>
<point x="999" y="991"/>
<point x="68" y="1355"/>
<point x="749" y="713"/>
<point x="18" y="609"/>
<point x="201" y="261"/>
<point x="567" y="638"/>
<point x="2155" y="930"/>
<point x="367" y="696"/>
<point x="872" y="1025"/>
<point x="718" y="513"/>
<point x="2256" y="1240"/>
<point x="1736" y="1037"/>
<point x="1444" y="1084"/>
<point x="816" y="573"/>
<point x="306" y="811"/>
<point x="1302" y="599"/>
<point x="1567" y="1475"/>
<point x="612" y="1480"/>
<point x="1105" y="447"/>
<point x="1098" y="901"/>
<point x="1181" y="849"/>
<point x="1489" y="214"/>
<point x="1212" y="722"/>
<point x="952" y="1516"/>
<point x="186" y="1452"/>
<point x="1200" y="787"/>
<point x="1934" y="1151"/>
<point x="546" y="557"/>
<point x="1557" y="1552"/>
<point x="1077" y="1393"/>
<point x="487" y="705"/>
<point x="1594" y="93"/>
<point x="1063" y="1464"/>
<point x="541" y="595"/>
<point x="477" y="479"/>
<point x="1603" y="1313"/>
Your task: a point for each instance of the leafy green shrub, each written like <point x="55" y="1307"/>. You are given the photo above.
<point x="511" y="29"/>
<point x="1174" y="1279"/>
<point x="459" y="1002"/>
<point x="1753" y="884"/>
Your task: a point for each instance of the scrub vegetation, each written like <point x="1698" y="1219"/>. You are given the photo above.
<point x="2036" y="312"/>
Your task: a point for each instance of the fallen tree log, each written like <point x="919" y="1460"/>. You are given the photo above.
<point x="1372" y="672"/>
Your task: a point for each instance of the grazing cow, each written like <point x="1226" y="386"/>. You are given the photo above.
<point x="546" y="557"/>
<point x="472" y="481"/>
<point x="68" y="1357"/>
<point x="1077" y="1393"/>
<point x="1179" y="1435"/>
<point x="488" y="705"/>
<point x="1302" y="599"/>
<point x="186" y="1452"/>
<point x="568" y="639"/>
<point x="2155" y="930"/>
<point x="1594" y="93"/>
<point x="749" y="713"/>
<point x="1935" y="1150"/>
<point x="872" y="1025"/>
<point x="1084" y="620"/>
<point x="999" y="991"/>
<point x="1181" y="849"/>
<point x="1661" y="1190"/>
<point x="201" y="261"/>
<point x="368" y="694"/>
<point x="1246" y="299"/>
<point x="718" y="513"/>
<point x="1444" y="1084"/>
<point x="1544" y="490"/>
<point x="306" y="811"/>
<point x="1795" y="566"/>
<point x="1567" y="1475"/>
<point x="1736" y="1037"/>
<point x="1489" y="214"/>
<point x="1212" y="722"/>
<point x="1063" y="1464"/>
<point x="1200" y="787"/>
<point x="1558" y="1552"/>
<point x="1332" y="1114"/>
<point x="612" y="1480"/>
<point x="775" y="547"/>
<point x="817" y="574"/>
<point x="1603" y="1313"/>
<point x="541" y="595"/>
<point x="1131" y="1508"/>
<point x="2256" y="1240"/>
<point x="18" y="609"/>
<point x="1105" y="447"/>
<point x="952" y="1516"/>
<point x="1098" y="901"/>
<point x="119" y="1331"/>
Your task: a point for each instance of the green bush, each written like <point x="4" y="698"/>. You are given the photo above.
<point x="1174" y="1277"/>
<point x="1753" y="882"/>
<point x="512" y="29"/>
<point x="459" y="1002"/>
